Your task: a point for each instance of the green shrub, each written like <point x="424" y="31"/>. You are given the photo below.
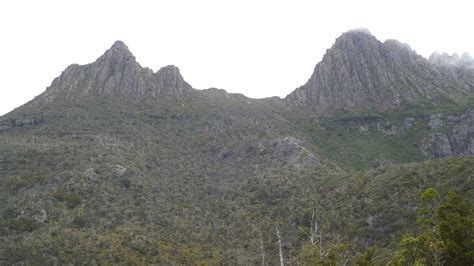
<point x="79" y="222"/>
<point x="125" y="182"/>
<point x="72" y="200"/>
<point x="21" y="225"/>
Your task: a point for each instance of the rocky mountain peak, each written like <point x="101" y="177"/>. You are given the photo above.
<point x="118" y="53"/>
<point x="396" y="44"/>
<point x="361" y="73"/>
<point x="353" y="43"/>
<point x="119" y="45"/>
<point x="356" y="37"/>
<point x="169" y="80"/>
<point x="358" y="32"/>
<point x="117" y="73"/>
<point x="169" y="71"/>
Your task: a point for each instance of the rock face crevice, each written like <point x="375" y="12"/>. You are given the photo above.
<point x="117" y="73"/>
<point x="361" y="73"/>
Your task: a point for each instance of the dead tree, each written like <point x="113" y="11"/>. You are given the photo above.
<point x="316" y="236"/>
<point x="280" y="247"/>
<point x="262" y="246"/>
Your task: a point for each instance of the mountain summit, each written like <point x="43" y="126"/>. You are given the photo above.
<point x="118" y="73"/>
<point x="360" y="72"/>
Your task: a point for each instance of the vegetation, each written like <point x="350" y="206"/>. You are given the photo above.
<point x="447" y="236"/>
<point x="207" y="181"/>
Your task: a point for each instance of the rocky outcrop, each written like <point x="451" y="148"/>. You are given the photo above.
<point x="90" y="174"/>
<point x="376" y="124"/>
<point x="450" y="137"/>
<point x="291" y="150"/>
<point x="116" y="73"/>
<point x="41" y="217"/>
<point x="19" y="123"/>
<point x="361" y="73"/>
<point x="281" y="152"/>
<point x="118" y="170"/>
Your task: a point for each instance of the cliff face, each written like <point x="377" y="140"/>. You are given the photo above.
<point x="361" y="73"/>
<point x="116" y="73"/>
<point x="450" y="136"/>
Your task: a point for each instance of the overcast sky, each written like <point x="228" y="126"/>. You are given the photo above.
<point x="258" y="48"/>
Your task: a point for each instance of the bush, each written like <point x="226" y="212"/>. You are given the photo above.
<point x="22" y="225"/>
<point x="72" y="200"/>
<point x="79" y="221"/>
<point x="125" y="182"/>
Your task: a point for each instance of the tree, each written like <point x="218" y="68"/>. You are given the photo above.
<point x="320" y="250"/>
<point x="447" y="236"/>
<point x="455" y="221"/>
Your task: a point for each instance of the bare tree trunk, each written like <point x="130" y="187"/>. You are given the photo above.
<point x="280" y="247"/>
<point x="321" y="248"/>
<point x="262" y="246"/>
<point x="314" y="231"/>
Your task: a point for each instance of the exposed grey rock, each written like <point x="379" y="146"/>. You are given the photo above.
<point x="360" y="73"/>
<point x="17" y="123"/>
<point x="41" y="217"/>
<point x="383" y="163"/>
<point x="436" y="145"/>
<point x="364" y="128"/>
<point x="292" y="150"/>
<point x="20" y="214"/>
<point x="287" y="151"/>
<point x="457" y="141"/>
<point x="408" y="123"/>
<point x="119" y="170"/>
<point x="26" y="122"/>
<point x="387" y="128"/>
<point x="435" y="122"/>
<point x="370" y="220"/>
<point x="90" y="174"/>
<point x="453" y="119"/>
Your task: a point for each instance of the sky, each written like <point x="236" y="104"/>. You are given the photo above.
<point x="256" y="47"/>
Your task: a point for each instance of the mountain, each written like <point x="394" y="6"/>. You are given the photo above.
<point x="117" y="164"/>
<point x="116" y="73"/>
<point x="361" y="73"/>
